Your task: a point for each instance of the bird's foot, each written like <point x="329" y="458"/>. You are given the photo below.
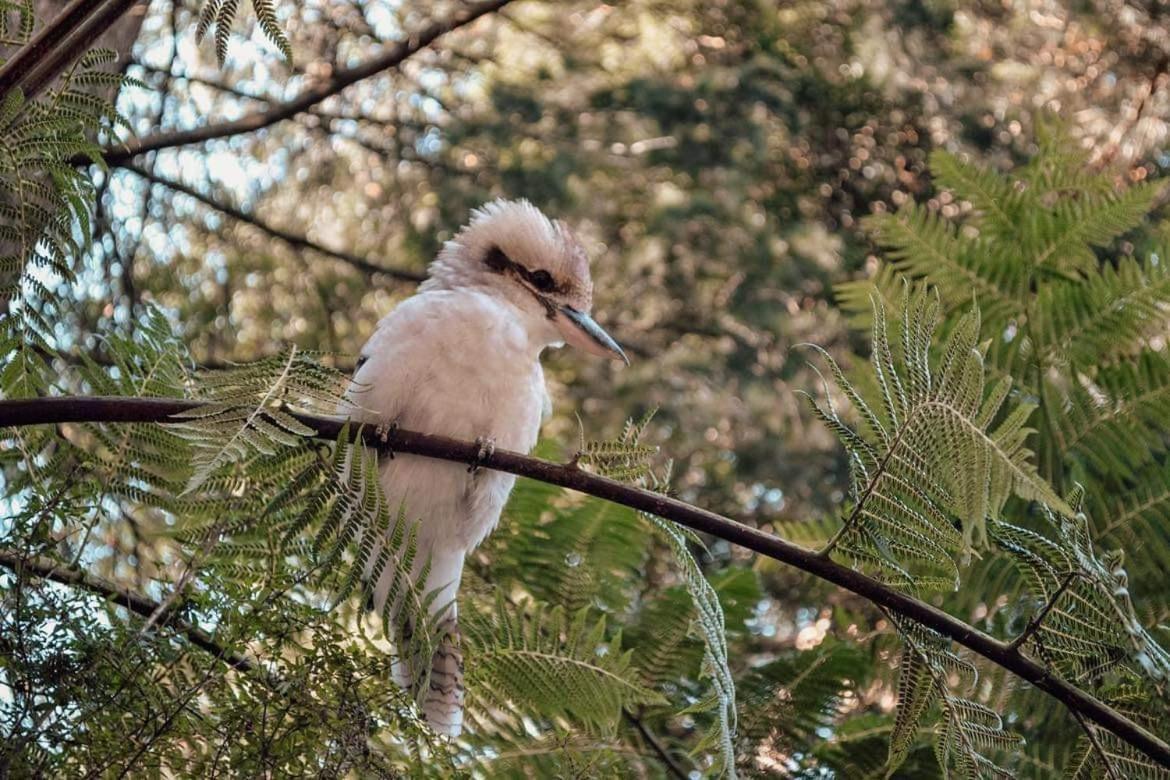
<point x="487" y="446"/>
<point x="384" y="431"/>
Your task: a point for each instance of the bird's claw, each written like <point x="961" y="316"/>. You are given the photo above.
<point x="487" y="446"/>
<point x="384" y="431"/>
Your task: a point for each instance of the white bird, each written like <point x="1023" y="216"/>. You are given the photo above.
<point x="462" y="358"/>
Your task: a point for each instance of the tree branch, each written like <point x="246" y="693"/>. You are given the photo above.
<point x="292" y="239"/>
<point x="71" y="33"/>
<point x="1034" y="624"/>
<point x="48" y="569"/>
<point x="112" y="410"/>
<point x="312" y="95"/>
<point x="672" y="766"/>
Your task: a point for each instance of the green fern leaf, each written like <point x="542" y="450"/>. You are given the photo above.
<point x="550" y="663"/>
<point x="909" y="497"/>
<point x="245" y="410"/>
<point x="220" y="14"/>
<point x="997" y="199"/>
<point x="921" y="243"/>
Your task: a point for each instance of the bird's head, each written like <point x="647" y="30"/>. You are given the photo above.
<point x="513" y="251"/>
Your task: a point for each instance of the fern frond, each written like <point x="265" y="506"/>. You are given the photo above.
<point x="1063" y="237"/>
<point x="1107" y="316"/>
<point x="1114" y="420"/>
<point x="968" y="730"/>
<point x="626" y="458"/>
<point x="785" y="703"/>
<point x="561" y="754"/>
<point x="1087" y="622"/>
<point x="1138" y="519"/>
<point x="858" y="749"/>
<point x="712" y="627"/>
<point x="1101" y="754"/>
<point x="921" y="243"/>
<point x="670" y="646"/>
<point x="911" y="499"/>
<point x="245" y="410"/>
<point x="220" y="14"/>
<point x="45" y="200"/>
<point x="265" y="11"/>
<point x="573" y="551"/>
<point x="998" y="200"/>
<point x="856" y="298"/>
<point x="544" y="660"/>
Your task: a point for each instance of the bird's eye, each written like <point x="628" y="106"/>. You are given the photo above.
<point x="542" y="280"/>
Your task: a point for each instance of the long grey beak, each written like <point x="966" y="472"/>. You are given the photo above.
<point x="581" y="331"/>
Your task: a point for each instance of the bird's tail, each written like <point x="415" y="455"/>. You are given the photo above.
<point x="430" y="665"/>
<point x="436" y="683"/>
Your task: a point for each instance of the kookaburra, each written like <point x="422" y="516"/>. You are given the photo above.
<point x="462" y="358"/>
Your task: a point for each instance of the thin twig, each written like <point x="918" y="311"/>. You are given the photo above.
<point x="189" y="570"/>
<point x="292" y="239"/>
<point x="40" y="411"/>
<point x="311" y="96"/>
<point x="1110" y="772"/>
<point x="48" y="569"/>
<point x="1034" y="623"/>
<point x="672" y="766"/>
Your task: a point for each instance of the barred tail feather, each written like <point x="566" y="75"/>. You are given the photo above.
<point x="436" y="683"/>
<point x="442" y="704"/>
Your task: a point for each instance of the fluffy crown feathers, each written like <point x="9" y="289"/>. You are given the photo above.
<point x="527" y="237"/>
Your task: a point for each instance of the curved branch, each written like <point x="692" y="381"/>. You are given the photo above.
<point x="48" y="569"/>
<point x="71" y="33"/>
<point x="106" y="410"/>
<point x="292" y="239"/>
<point x="672" y="766"/>
<point x="309" y="97"/>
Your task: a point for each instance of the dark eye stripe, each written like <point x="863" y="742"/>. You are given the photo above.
<point x="496" y="260"/>
<point x="541" y="279"/>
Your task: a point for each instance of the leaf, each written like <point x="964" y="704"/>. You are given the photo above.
<point x="545" y="661"/>
<point x="245" y="410"/>
<point x="931" y="461"/>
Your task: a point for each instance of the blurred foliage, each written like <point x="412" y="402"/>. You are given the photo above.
<point x="1071" y="281"/>
<point x="719" y="158"/>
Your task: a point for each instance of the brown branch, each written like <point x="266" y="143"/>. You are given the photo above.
<point x="292" y="239"/>
<point x="672" y="766"/>
<point x="48" y="569"/>
<point x="1034" y="624"/>
<point x="1098" y="748"/>
<point x="71" y="33"/>
<point x="106" y="410"/>
<point x="255" y="97"/>
<point x="312" y="95"/>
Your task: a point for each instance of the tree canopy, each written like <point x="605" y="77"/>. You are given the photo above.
<point x="930" y="545"/>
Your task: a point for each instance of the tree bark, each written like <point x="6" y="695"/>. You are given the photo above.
<point x="71" y="31"/>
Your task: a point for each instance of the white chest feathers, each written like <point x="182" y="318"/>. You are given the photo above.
<point x="457" y="363"/>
